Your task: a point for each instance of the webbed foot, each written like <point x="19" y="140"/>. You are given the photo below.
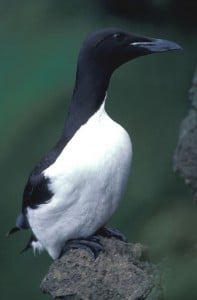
<point x="92" y="245"/>
<point x="111" y="232"/>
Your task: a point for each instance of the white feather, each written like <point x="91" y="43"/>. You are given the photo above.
<point x="87" y="181"/>
<point x="37" y="247"/>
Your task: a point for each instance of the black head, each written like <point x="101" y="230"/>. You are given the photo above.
<point x="101" y="53"/>
<point x="111" y="47"/>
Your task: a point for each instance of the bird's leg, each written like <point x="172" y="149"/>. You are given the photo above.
<point x="111" y="232"/>
<point x="91" y="244"/>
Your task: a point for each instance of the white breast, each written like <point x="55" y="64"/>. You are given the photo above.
<point x="87" y="181"/>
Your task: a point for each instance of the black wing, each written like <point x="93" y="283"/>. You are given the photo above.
<point x="36" y="192"/>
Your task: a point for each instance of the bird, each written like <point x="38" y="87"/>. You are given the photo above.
<point x="76" y="187"/>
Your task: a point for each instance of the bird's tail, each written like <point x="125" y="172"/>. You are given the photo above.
<point x="13" y="230"/>
<point x="34" y="244"/>
<point x="29" y="244"/>
<point x="21" y="223"/>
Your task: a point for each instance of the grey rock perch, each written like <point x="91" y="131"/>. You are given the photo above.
<point x="121" y="272"/>
<point x="185" y="158"/>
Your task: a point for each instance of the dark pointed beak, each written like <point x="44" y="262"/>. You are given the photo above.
<point x="156" y="45"/>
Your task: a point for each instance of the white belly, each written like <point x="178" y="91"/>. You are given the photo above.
<point x="87" y="182"/>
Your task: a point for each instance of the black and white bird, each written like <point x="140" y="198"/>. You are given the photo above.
<point x="75" y="189"/>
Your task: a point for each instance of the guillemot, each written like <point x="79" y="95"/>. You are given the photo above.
<point x="75" y="189"/>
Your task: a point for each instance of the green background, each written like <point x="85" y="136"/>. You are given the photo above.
<point x="39" y="44"/>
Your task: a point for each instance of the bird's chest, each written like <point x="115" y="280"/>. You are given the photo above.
<point x="90" y="175"/>
<point x="100" y="150"/>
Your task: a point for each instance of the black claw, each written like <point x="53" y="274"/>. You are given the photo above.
<point x="112" y="232"/>
<point x="94" y="238"/>
<point x="91" y="245"/>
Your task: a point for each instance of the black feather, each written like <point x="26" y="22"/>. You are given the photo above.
<point x="29" y="244"/>
<point x="13" y="230"/>
<point x="36" y="192"/>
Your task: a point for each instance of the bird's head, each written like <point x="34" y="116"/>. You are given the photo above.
<point x="109" y="48"/>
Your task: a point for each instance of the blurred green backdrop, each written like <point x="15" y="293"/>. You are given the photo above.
<point x="39" y="44"/>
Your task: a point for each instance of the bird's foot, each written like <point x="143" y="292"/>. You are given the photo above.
<point x="92" y="245"/>
<point x="111" y="232"/>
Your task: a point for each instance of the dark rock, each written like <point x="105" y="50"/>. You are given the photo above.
<point x="121" y="272"/>
<point x="185" y="158"/>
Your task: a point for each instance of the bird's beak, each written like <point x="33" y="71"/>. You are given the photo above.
<point x="156" y="45"/>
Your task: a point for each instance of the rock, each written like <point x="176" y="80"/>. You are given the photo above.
<point x="122" y="271"/>
<point x="185" y="158"/>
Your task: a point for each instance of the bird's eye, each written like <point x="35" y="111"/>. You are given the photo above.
<point x="118" y="36"/>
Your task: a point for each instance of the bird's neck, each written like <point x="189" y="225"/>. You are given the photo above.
<point x="88" y="95"/>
